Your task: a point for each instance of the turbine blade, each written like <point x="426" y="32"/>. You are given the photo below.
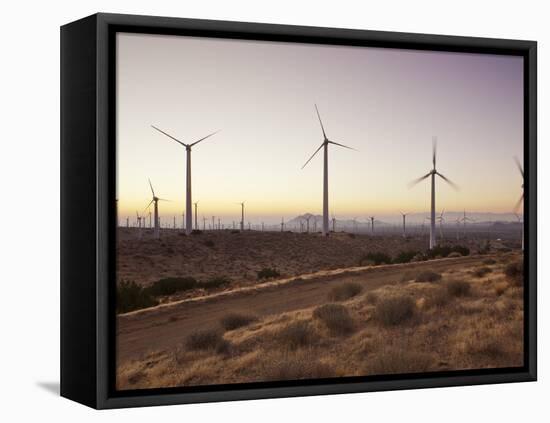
<point x="416" y="181"/>
<point x="168" y="135"/>
<point x="434" y="150"/>
<point x="342" y="145"/>
<point x="164" y="199"/>
<point x="316" y="151"/>
<point x="321" y="122"/>
<point x="518" y="204"/>
<point x="149" y="205"/>
<point x="451" y="183"/>
<point x="202" y="139"/>
<point x="518" y="164"/>
<point x="151" y="185"/>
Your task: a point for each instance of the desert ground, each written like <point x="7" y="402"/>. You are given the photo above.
<point x="328" y="312"/>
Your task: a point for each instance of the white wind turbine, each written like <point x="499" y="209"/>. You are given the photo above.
<point x="520" y="168"/>
<point x="432" y="173"/>
<point x="372" y="224"/>
<point x="155" y="202"/>
<point x="188" y="202"/>
<point x="441" y="219"/>
<point x="324" y="146"/>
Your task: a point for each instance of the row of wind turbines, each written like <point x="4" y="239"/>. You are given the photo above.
<point x="432" y="174"/>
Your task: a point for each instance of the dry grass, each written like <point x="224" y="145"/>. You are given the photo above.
<point x="234" y="321"/>
<point x="462" y="323"/>
<point x="335" y="317"/>
<point x="428" y="276"/>
<point x="514" y="273"/>
<point x="297" y="335"/>
<point x="458" y="288"/>
<point x="394" y="310"/>
<point x="481" y="271"/>
<point x="344" y="292"/>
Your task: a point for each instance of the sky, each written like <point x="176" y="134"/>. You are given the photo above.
<point x="386" y="103"/>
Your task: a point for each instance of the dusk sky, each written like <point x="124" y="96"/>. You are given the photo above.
<point x="386" y="103"/>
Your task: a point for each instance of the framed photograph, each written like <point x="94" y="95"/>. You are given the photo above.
<point x="255" y="211"/>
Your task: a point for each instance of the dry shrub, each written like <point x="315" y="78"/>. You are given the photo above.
<point x="458" y="288"/>
<point x="344" y="291"/>
<point x="207" y="339"/>
<point x="297" y="334"/>
<point x="392" y="360"/>
<point x="335" y="317"/>
<point x="481" y="271"/>
<point x="428" y="276"/>
<point x="489" y="261"/>
<point x="501" y="288"/>
<point x="233" y="321"/>
<point x="514" y="273"/>
<point x="295" y="366"/>
<point x="394" y="310"/>
<point x="372" y="298"/>
<point x="408" y="276"/>
<point x="438" y="297"/>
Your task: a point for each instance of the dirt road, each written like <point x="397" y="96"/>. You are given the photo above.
<point x="167" y="326"/>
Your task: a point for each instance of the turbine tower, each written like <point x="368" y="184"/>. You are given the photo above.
<point x="404" y="215"/>
<point x="372" y="224"/>
<point x="196" y="223"/>
<point x="324" y="146"/>
<point x="432" y="173"/>
<point x="242" y="215"/>
<point x="188" y="202"/>
<point x="155" y="202"/>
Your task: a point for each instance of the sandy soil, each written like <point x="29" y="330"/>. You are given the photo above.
<point x="239" y="256"/>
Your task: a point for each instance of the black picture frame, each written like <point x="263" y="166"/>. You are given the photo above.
<point x="88" y="209"/>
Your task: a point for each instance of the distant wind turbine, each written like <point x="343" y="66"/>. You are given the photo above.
<point x="242" y="215"/>
<point x="372" y="224"/>
<point x="196" y="203"/>
<point x="155" y="202"/>
<point x="324" y="146"/>
<point x="282" y="224"/>
<point x="432" y="173"/>
<point x="188" y="221"/>
<point x="441" y="219"/>
<point x="404" y="215"/>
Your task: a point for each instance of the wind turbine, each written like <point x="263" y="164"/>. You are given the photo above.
<point x="155" y="202"/>
<point x="464" y="220"/>
<point x="333" y="224"/>
<point x="139" y="223"/>
<point x="520" y="168"/>
<point x="404" y="215"/>
<point x="183" y="221"/>
<point x="324" y="146"/>
<point x="372" y="224"/>
<point x="188" y="221"/>
<point x="196" y="203"/>
<point x="282" y="224"/>
<point x="204" y="219"/>
<point x="441" y="219"/>
<point x="432" y="173"/>
<point x="307" y="223"/>
<point x="242" y="215"/>
<point x="518" y="217"/>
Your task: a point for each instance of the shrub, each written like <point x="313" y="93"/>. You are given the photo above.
<point x="392" y="360"/>
<point x="209" y="243"/>
<point x="233" y="321"/>
<point x="344" y="291"/>
<point x="458" y="288"/>
<point x="235" y="231"/>
<point x="371" y="298"/>
<point x="481" y="271"/>
<point x="405" y="256"/>
<point x="428" y="276"/>
<point x="131" y="296"/>
<point x="394" y="310"/>
<point x="462" y="250"/>
<point x="514" y="272"/>
<point x="454" y="254"/>
<point x="169" y="286"/>
<point x="446" y="250"/>
<point x="296" y="334"/>
<point x="375" y="258"/>
<point x="489" y="261"/>
<point x="352" y="236"/>
<point x="439" y="297"/>
<point x="206" y="339"/>
<point x="335" y="317"/>
<point x="268" y="273"/>
<point x="196" y="232"/>
<point x="215" y="282"/>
